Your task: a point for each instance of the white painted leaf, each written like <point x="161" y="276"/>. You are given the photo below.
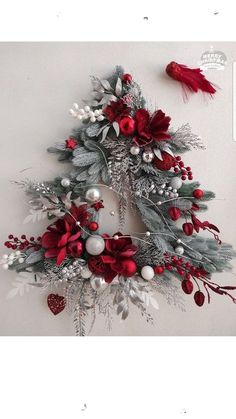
<point x="12" y="293"/>
<point x="154" y="302"/>
<point x="157" y="153"/>
<point x="116" y="128"/>
<point x="167" y="150"/>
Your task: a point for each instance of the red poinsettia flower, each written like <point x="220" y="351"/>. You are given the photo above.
<point x="115" y="110"/>
<point x="117" y="257"/>
<point x="71" y="143"/>
<point x="80" y="214"/>
<point x="151" y="128"/>
<point x="63" y="237"/>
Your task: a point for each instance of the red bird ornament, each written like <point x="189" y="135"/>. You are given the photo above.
<point x="192" y="79"/>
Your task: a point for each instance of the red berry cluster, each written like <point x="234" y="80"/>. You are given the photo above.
<point x="179" y="166"/>
<point x="23" y="243"/>
<point x="187" y="271"/>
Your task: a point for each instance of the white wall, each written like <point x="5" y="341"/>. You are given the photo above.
<point x="38" y="84"/>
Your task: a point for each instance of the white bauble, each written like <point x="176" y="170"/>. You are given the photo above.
<point x="148" y="156"/>
<point x="179" y="250"/>
<point x="85" y="272"/>
<point x="147" y="273"/>
<point x="135" y="150"/>
<point x="65" y="182"/>
<point x="5" y="266"/>
<point x="95" y="245"/>
<point x="176" y="182"/>
<point x="93" y="194"/>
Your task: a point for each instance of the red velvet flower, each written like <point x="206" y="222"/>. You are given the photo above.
<point x="115" y="110"/>
<point x="63" y="237"/>
<point x="78" y="214"/>
<point x="117" y="257"/>
<point x="151" y="128"/>
<point x="71" y="143"/>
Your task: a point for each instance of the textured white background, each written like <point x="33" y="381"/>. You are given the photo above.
<point x="38" y="84"/>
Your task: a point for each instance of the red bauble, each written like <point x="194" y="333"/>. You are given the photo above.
<point x="174" y="213"/>
<point x="71" y="143"/>
<point x="198" y="193"/>
<point x="56" y="303"/>
<point x="129" y="267"/>
<point x="188" y="229"/>
<point x="159" y="270"/>
<point x="166" y="163"/>
<point x="127" y="78"/>
<point x="127" y="126"/>
<point x="187" y="286"/>
<point x="96" y="265"/>
<point x="199" y="298"/>
<point x="93" y="226"/>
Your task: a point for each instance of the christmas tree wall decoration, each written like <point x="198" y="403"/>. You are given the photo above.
<point x="121" y="146"/>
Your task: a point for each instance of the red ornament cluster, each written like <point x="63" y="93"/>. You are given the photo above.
<point x="117" y="258"/>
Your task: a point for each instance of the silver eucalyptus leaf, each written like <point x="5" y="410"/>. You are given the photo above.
<point x="35" y="257"/>
<point x="106" y="85"/>
<point x="118" y="87"/>
<point x="105" y="132"/>
<point x="125" y="313"/>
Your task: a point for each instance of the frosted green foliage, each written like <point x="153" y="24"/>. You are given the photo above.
<point x="207" y="252"/>
<point x="184" y="140"/>
<point x="187" y="190"/>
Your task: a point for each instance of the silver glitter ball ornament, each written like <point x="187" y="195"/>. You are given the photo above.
<point x="148" y="156"/>
<point x="93" y="194"/>
<point x="65" y="182"/>
<point x="179" y="250"/>
<point x="135" y="150"/>
<point x="95" y="245"/>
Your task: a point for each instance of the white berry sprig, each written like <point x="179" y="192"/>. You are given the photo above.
<point x="86" y="113"/>
<point x="8" y="260"/>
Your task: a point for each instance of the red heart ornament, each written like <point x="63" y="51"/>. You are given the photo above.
<point x="56" y="303"/>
